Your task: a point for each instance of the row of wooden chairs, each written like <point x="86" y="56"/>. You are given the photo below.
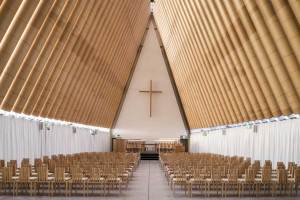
<point x="213" y="174"/>
<point x="135" y="146"/>
<point x="167" y="147"/>
<point x="141" y="146"/>
<point x="85" y="174"/>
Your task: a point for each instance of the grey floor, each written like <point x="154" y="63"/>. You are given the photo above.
<point x="149" y="183"/>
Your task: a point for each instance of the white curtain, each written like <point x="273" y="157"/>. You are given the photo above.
<point x="21" y="138"/>
<point x="61" y="140"/>
<point x="276" y="141"/>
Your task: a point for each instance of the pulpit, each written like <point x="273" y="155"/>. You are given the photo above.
<point x="119" y="145"/>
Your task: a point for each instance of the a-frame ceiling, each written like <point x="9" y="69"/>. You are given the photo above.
<point x="232" y="60"/>
<point x="68" y="59"/>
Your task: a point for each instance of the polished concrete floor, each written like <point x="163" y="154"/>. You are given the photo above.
<point x="149" y="183"/>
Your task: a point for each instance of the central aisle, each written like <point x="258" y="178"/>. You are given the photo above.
<point x="149" y="183"/>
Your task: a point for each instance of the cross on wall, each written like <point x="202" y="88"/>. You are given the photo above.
<point x="150" y="92"/>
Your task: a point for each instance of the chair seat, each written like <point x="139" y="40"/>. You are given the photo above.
<point x="79" y="180"/>
<point x="114" y="179"/>
<point x="193" y="180"/>
<point x="179" y="179"/>
<point x="96" y="180"/>
<point x="32" y="178"/>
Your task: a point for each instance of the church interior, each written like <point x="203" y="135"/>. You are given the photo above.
<point x="149" y="99"/>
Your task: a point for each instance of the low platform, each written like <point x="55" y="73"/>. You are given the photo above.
<point x="149" y="155"/>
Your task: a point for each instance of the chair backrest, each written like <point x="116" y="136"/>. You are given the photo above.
<point x="268" y="163"/>
<point x="282" y="176"/>
<point x="59" y="174"/>
<point x="291" y="165"/>
<point x="38" y="162"/>
<point x="13" y="164"/>
<point x="7" y="173"/>
<point x="280" y="165"/>
<point x="266" y="175"/>
<point x="52" y="165"/>
<point x="216" y="175"/>
<point x="25" y="173"/>
<point x="46" y="160"/>
<point x="95" y="174"/>
<point x="25" y="162"/>
<point x="2" y="163"/>
<point x="256" y="163"/>
<point x="77" y="173"/>
<point x="250" y="175"/>
<point x="297" y="175"/>
<point x="233" y="175"/>
<point x="43" y="172"/>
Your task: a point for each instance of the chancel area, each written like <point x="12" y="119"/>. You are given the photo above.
<point x="149" y="99"/>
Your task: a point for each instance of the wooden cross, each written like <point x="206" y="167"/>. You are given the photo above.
<point x="151" y="91"/>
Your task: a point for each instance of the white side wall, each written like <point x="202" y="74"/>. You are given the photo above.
<point x="134" y="121"/>
<point x="21" y="138"/>
<point x="276" y="141"/>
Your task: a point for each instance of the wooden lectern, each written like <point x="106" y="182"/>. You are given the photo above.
<point x="119" y="145"/>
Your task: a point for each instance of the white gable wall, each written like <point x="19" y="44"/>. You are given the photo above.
<point x="134" y="121"/>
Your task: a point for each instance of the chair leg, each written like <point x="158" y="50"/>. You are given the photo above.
<point x="208" y="189"/>
<point x="66" y="189"/>
<point x="273" y="189"/>
<point x="257" y="189"/>
<point x="30" y="190"/>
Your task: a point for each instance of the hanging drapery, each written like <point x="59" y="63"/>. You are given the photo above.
<point x="276" y="141"/>
<point x="22" y="138"/>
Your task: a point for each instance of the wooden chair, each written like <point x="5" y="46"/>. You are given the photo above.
<point x="13" y="164"/>
<point x="60" y="181"/>
<point x="294" y="180"/>
<point x="51" y="165"/>
<point x="178" y="178"/>
<point x="95" y="181"/>
<point x="248" y="182"/>
<point x="281" y="182"/>
<point x="124" y="171"/>
<point x="78" y="181"/>
<point x="265" y="181"/>
<point x="215" y="182"/>
<point x="231" y="182"/>
<point x="7" y="180"/>
<point x="297" y="180"/>
<point x="197" y="179"/>
<point x="113" y="180"/>
<point x="43" y="180"/>
<point x="25" y="182"/>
